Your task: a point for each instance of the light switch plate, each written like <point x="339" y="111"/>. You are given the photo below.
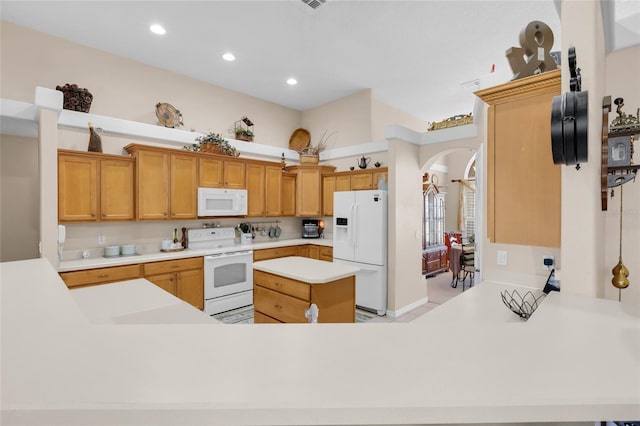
<point x="502" y="258"/>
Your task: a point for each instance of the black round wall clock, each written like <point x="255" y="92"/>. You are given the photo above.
<point x="569" y="124"/>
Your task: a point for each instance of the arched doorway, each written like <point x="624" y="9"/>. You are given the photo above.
<point x="455" y="175"/>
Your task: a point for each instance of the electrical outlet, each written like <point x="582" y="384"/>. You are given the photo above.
<point x="101" y="239"/>
<point x="548" y="262"/>
<point x="502" y="258"/>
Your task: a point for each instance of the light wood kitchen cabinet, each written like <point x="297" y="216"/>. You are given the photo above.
<point x="184" y="278"/>
<point x="256" y="181"/>
<point x="101" y="275"/>
<point x="523" y="184"/>
<point x="326" y="254"/>
<point x="328" y="188"/>
<point x="361" y="181"/>
<point x="274" y="253"/>
<point x="285" y="300"/>
<point x="95" y="187"/>
<point x="166" y="183"/>
<point x="220" y="172"/>
<point x="434" y="260"/>
<point x="273" y="190"/>
<point x="288" y="201"/>
<point x="348" y="181"/>
<point x="309" y="188"/>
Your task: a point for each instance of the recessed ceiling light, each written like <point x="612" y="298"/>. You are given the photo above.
<point x="292" y="81"/>
<point x="157" y="29"/>
<point x="229" y="57"/>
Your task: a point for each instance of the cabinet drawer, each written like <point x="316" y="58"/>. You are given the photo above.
<point x="155" y="268"/>
<point x="101" y="275"/>
<point x="434" y="255"/>
<point x="283" y="285"/>
<point x="260" y="318"/>
<point x="279" y="306"/>
<point x="433" y="265"/>
<point x="326" y="253"/>
<point x="274" y="253"/>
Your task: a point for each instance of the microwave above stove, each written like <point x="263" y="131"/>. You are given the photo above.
<point x="222" y="202"/>
<point x="312" y="228"/>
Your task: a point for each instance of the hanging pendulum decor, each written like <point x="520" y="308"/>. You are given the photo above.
<point x="620" y="272"/>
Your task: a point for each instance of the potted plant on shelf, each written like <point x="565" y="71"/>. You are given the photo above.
<point x="311" y="153"/>
<point x="244" y="134"/>
<point x="243" y="129"/>
<point x="213" y="143"/>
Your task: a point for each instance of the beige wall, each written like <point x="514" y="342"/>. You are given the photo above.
<point x="19" y="198"/>
<point x="383" y="115"/>
<point x="456" y="162"/>
<point x="348" y="117"/>
<point x="406" y="283"/>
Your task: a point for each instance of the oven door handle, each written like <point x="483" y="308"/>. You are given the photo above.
<point x="231" y="254"/>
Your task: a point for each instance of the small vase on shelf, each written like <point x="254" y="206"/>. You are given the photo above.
<point x="95" y="139"/>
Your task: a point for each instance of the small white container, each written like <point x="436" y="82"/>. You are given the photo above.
<point x="246" y="238"/>
<point x="112" y="251"/>
<point x="128" y="249"/>
<point x="167" y="244"/>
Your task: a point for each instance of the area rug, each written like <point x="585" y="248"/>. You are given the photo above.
<point x="245" y="316"/>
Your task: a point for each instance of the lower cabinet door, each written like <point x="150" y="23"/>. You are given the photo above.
<point x="190" y="287"/>
<point x="167" y="282"/>
<point x="279" y="306"/>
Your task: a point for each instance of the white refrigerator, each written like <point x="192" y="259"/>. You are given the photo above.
<point x="360" y="239"/>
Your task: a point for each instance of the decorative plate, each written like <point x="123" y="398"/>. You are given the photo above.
<point x="299" y="140"/>
<point x="434" y="179"/>
<point x="168" y="115"/>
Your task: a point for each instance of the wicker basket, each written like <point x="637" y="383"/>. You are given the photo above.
<point x="75" y="98"/>
<point x="309" y="159"/>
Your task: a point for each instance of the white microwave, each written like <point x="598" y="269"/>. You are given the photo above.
<point x="222" y="202"/>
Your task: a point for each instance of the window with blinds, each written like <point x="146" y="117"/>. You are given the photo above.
<point x="469" y="211"/>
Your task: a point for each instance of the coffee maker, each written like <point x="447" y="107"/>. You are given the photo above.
<point x="312" y="228"/>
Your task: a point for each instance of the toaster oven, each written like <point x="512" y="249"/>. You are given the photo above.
<point x="312" y="228"/>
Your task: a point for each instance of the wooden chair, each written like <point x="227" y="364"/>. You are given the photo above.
<point x="467" y="264"/>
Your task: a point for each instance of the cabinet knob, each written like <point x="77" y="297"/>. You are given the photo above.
<point x="165" y="213"/>
<point x="277" y="306"/>
<point x="173" y="213"/>
<point x="103" y="275"/>
<point x="93" y="215"/>
<point x="104" y="215"/>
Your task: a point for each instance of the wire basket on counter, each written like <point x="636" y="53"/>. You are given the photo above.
<point x="523" y="306"/>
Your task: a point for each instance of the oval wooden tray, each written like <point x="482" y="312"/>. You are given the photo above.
<point x="300" y="139"/>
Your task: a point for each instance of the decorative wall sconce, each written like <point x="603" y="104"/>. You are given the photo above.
<point x="617" y="168"/>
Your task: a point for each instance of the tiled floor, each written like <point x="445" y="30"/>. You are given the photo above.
<point x="439" y="290"/>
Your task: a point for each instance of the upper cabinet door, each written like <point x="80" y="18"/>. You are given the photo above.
<point x="153" y="185"/>
<point x="288" y="196"/>
<point x="255" y="189"/>
<point x="211" y="172"/>
<point x="273" y="190"/>
<point x="235" y="174"/>
<point x="184" y="186"/>
<point x="116" y="189"/>
<point x="77" y="188"/>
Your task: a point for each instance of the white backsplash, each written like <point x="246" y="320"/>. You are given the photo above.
<point x="147" y="236"/>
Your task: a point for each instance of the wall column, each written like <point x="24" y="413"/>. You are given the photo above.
<point x="48" y="166"/>
<point x="583" y="224"/>
<point x="407" y="287"/>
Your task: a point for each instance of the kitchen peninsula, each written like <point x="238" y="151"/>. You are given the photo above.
<point x="60" y="368"/>
<point x="284" y="288"/>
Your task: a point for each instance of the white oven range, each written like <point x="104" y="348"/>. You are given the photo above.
<point x="228" y="269"/>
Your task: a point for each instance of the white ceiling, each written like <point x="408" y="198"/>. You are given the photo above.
<point x="414" y="55"/>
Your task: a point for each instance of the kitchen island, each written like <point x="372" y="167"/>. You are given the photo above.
<point x="284" y="288"/>
<point x="576" y="359"/>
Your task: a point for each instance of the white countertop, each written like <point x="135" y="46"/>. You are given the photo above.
<point x="311" y="271"/>
<point x="135" y="302"/>
<point x="576" y="359"/>
<point x="102" y="262"/>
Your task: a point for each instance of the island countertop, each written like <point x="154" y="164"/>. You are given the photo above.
<point x="307" y="270"/>
<point x="576" y="359"/>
